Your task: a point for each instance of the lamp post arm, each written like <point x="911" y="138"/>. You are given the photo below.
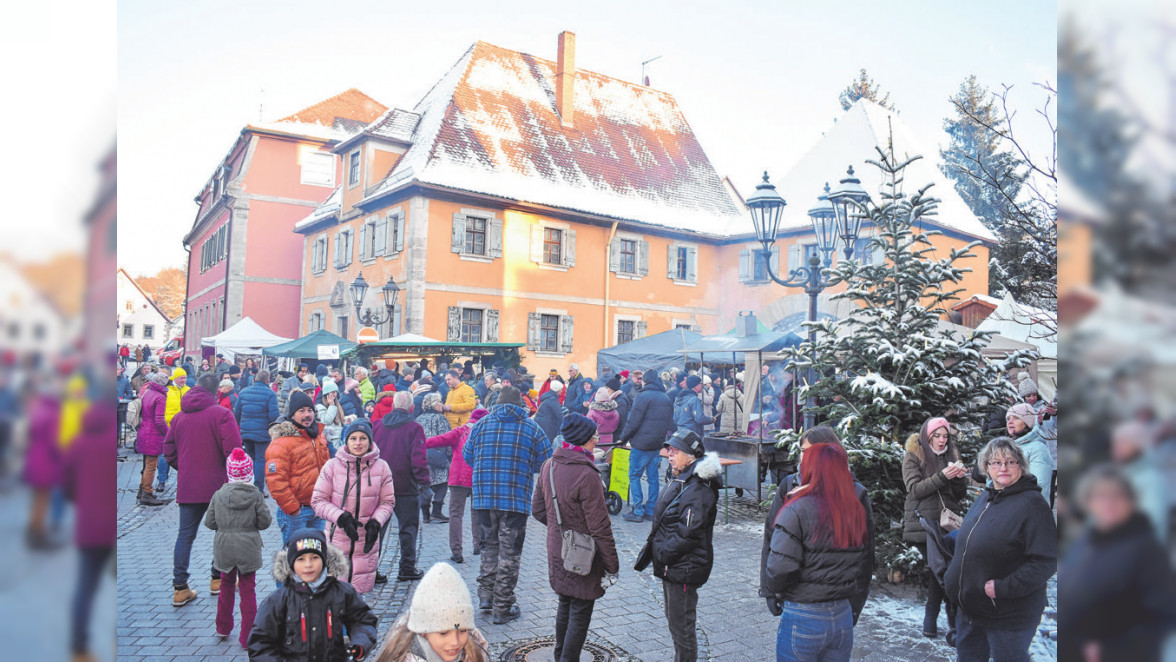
<point x="796" y="278"/>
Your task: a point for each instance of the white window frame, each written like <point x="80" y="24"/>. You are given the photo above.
<point x="357" y="157"/>
<point x="148" y="332"/>
<point x="617" y="319"/>
<point x="675" y="246"/>
<point x="309" y="153"/>
<point x="485" y="254"/>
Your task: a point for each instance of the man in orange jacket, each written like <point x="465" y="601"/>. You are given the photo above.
<point x="297" y="452"/>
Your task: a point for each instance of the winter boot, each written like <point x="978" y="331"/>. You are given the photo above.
<point x="183" y="596"/>
<point x="409" y="574"/>
<point x="214" y="586"/>
<point x="146" y="498"/>
<point x="441" y="519"/>
<point x="425" y="514"/>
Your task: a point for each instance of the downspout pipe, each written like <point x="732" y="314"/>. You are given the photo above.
<point x="608" y="281"/>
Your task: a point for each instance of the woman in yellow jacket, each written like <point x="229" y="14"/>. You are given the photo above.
<point x="175" y="392"/>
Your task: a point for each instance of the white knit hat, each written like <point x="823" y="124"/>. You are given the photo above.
<point x="556" y="386"/>
<point x="441" y="603"/>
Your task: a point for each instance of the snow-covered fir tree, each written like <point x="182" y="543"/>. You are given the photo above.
<point x="864" y="88"/>
<point x="888" y="365"/>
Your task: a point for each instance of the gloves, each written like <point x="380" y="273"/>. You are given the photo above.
<point x="371" y="535"/>
<point x="347" y="522"/>
<point x="774" y="606"/>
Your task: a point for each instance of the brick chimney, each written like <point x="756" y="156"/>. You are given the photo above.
<point x="565" y="79"/>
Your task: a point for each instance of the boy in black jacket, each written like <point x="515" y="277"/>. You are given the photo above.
<point x="314" y="602"/>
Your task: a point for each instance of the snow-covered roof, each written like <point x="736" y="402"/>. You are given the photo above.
<point x="490" y="126"/>
<point x="852" y="140"/>
<point x="338" y="132"/>
<point x="1018" y="321"/>
<point x="326" y="209"/>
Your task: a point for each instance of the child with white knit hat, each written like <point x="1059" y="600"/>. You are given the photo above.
<point x="439" y="625"/>
<point x="238" y="514"/>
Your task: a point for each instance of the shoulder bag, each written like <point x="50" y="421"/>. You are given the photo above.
<point x="578" y="548"/>
<point x="948" y="520"/>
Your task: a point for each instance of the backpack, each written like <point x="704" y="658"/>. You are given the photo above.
<point x="134" y="413"/>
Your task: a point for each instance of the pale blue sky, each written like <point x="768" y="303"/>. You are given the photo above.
<point x="758" y="82"/>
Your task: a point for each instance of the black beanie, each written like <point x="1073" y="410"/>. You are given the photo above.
<point x="298" y="400"/>
<point x="307" y="541"/>
<point x="577" y="429"/>
<point x="614" y="384"/>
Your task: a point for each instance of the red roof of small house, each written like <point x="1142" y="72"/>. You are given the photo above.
<point x="349" y="106"/>
<point x="490" y="126"/>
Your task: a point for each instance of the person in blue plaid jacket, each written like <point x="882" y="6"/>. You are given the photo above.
<point x="505" y="450"/>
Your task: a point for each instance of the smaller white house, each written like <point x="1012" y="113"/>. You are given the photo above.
<point x="140" y="320"/>
<point x="29" y="323"/>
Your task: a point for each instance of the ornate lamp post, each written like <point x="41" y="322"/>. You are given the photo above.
<point x="390" y="290"/>
<point x="837" y="215"/>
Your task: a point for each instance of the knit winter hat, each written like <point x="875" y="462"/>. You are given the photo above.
<point x="1026" y="385"/>
<point x="358" y="425"/>
<point x="1024" y="412"/>
<point x="936" y="423"/>
<point x="179" y="372"/>
<point x="624" y="373"/>
<point x="510" y="395"/>
<point x="307" y="541"/>
<point x="553" y="372"/>
<point x="159" y="378"/>
<point x="692" y="381"/>
<point x="441" y="603"/>
<point x="577" y="429"/>
<point x="557" y="386"/>
<point x="477" y="414"/>
<point x="225" y="382"/>
<point x="602" y="395"/>
<point x="613" y="384"/>
<point x="239" y="467"/>
<point x="329" y="386"/>
<point x="298" y="400"/>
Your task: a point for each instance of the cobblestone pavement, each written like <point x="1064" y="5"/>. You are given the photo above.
<point x="733" y="624"/>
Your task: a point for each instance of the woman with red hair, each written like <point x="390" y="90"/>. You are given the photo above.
<point x="817" y="552"/>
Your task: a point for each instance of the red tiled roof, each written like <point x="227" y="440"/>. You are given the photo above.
<point x="491" y="126"/>
<point x="351" y="105"/>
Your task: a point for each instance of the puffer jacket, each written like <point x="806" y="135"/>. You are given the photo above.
<point x="688" y="414"/>
<point x="801" y="570"/>
<point x="363" y="487"/>
<point x="866" y="570"/>
<point x="1008" y="536"/>
<point x="334" y="607"/>
<point x="1036" y="451"/>
<point x="624" y="404"/>
<point x="367" y="390"/>
<point x="462" y="401"/>
<point x="402" y="445"/>
<point x="200" y="439"/>
<point x="293" y="461"/>
<point x="44" y="457"/>
<point x="682" y="540"/>
<point x="606" y="418"/>
<point x="256" y="409"/>
<point x="730" y="411"/>
<point x="581" y="508"/>
<point x="152" y="425"/>
<point x="550" y="414"/>
<point x="924" y="492"/>
<point x="238" y="514"/>
<point x="175" y="396"/>
<point x="460" y="472"/>
<point x="383" y="404"/>
<point x="651" y="420"/>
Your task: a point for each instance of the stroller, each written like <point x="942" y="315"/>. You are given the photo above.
<point x="940" y="550"/>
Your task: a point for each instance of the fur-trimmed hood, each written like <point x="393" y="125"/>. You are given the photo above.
<point x="337" y="565"/>
<point x="384" y="394"/>
<point x="708" y="466"/>
<point x="285" y="428"/>
<point x="915" y="448"/>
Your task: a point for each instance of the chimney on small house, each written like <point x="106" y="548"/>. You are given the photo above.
<point x="565" y="79"/>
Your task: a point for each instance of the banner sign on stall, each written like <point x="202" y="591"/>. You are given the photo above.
<point x="328" y="352"/>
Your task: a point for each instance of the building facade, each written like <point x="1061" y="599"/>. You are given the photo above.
<point x="140" y="320"/>
<point x="526" y="200"/>
<point x="243" y="257"/>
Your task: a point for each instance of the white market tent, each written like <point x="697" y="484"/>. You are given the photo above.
<point x="244" y="337"/>
<point x="1029" y="325"/>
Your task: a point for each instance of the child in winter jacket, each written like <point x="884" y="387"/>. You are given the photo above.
<point x="237" y="513"/>
<point x="354" y="491"/>
<point x="439" y="625"/>
<point x="308" y="615"/>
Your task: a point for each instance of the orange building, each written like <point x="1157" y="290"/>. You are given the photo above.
<point x="243" y="259"/>
<point x="527" y="200"/>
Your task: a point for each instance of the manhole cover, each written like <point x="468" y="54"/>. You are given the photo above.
<point x="542" y="650"/>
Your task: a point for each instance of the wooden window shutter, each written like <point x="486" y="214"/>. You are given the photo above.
<point x="672" y="261"/>
<point x="569" y="248"/>
<point x="566" y="333"/>
<point x="775" y="263"/>
<point x="794" y="257"/>
<point x="494" y="225"/>
<point x="399" y="231"/>
<point x="642" y="329"/>
<point x="692" y="264"/>
<point x="534" y="328"/>
<point x="745" y="265"/>
<point x="537" y="243"/>
<point x="364" y="237"/>
<point x="338" y="247"/>
<point x="491" y="327"/>
<point x="643" y="259"/>
<point x="457" y="245"/>
<point x="453" y="328"/>
<point x="614" y="255"/>
<point x="380" y="241"/>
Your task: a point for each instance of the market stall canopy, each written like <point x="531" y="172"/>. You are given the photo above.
<point x="721" y="348"/>
<point x="659" y="352"/>
<point x="409" y="345"/>
<point x="244" y="337"/>
<point x="306" y="347"/>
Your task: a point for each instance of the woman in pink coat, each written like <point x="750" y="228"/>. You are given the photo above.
<point x="43" y="461"/>
<point x="355" y="492"/>
<point x="603" y="412"/>
<point x="461" y="481"/>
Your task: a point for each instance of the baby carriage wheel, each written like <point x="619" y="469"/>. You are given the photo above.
<point x="615" y="503"/>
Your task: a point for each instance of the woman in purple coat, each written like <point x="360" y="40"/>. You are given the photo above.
<point x="149" y="435"/>
<point x="42" y="470"/>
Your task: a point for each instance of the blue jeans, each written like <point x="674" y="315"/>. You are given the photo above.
<point x="303" y="519"/>
<point x="161" y="471"/>
<point x="815" y="632"/>
<point x="256" y="451"/>
<point x="191" y="515"/>
<point x="979" y="642"/>
<point x="647" y="463"/>
<point x="92" y="560"/>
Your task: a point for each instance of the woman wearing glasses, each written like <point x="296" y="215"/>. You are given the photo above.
<point x="1006" y="552"/>
<point x="934" y="480"/>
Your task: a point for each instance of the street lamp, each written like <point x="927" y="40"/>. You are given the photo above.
<point x="390" y="290"/>
<point x="837" y="214"/>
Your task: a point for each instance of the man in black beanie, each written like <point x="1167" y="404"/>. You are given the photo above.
<point x="292" y="464"/>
